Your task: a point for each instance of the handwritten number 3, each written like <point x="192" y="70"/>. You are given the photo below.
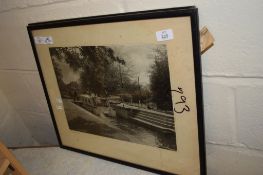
<point x="186" y="107"/>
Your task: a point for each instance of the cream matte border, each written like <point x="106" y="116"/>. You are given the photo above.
<point x="181" y="65"/>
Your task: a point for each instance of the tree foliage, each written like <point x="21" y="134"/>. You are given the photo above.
<point x="103" y="73"/>
<point x="98" y="67"/>
<point x="160" y="80"/>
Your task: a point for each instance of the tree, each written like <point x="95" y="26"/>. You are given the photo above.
<point x="96" y="64"/>
<point x="160" y="80"/>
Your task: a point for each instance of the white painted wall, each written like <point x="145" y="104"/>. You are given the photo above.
<point x="13" y="131"/>
<point x="232" y="73"/>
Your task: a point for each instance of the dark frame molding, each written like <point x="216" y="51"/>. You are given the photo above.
<point x="190" y="11"/>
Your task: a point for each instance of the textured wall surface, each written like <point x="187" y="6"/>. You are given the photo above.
<point x="232" y="75"/>
<point x="12" y="128"/>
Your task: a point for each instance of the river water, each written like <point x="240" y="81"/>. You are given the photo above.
<point x="80" y="119"/>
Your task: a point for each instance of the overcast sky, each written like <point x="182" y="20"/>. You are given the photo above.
<point x="68" y="74"/>
<point x="140" y="57"/>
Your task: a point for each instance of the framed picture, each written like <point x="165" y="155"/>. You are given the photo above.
<point x="126" y="87"/>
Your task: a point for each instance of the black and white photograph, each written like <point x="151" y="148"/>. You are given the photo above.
<point x="117" y="91"/>
<point x="126" y="87"/>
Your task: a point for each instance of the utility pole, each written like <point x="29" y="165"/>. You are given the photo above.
<point x="120" y="75"/>
<point x="139" y="87"/>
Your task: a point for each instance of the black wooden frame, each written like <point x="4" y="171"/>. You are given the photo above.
<point x="190" y="11"/>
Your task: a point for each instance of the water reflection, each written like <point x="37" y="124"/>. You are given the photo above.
<point x="118" y="128"/>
